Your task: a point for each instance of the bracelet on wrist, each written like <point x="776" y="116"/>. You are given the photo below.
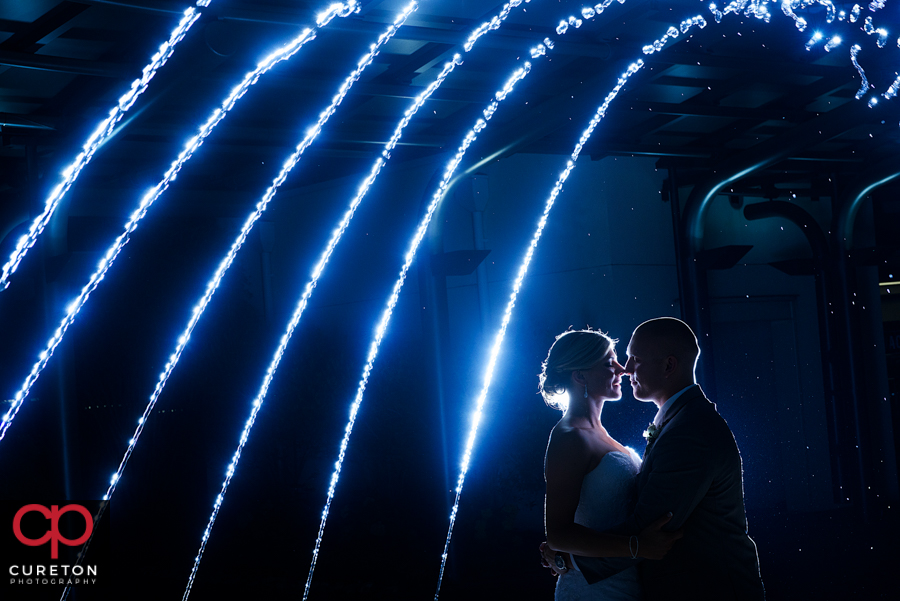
<point x="634" y="545"/>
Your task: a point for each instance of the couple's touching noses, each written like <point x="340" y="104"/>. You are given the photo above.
<point x="670" y="525"/>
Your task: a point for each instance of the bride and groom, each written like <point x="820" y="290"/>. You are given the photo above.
<point x="666" y="527"/>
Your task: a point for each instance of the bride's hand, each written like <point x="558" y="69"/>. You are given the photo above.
<point x="653" y="542"/>
<point x="548" y="559"/>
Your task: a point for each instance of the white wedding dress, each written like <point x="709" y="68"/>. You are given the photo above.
<point x="607" y="498"/>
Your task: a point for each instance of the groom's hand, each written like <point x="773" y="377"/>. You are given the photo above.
<point x="653" y="543"/>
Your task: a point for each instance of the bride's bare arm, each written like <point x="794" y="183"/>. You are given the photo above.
<point x="568" y="460"/>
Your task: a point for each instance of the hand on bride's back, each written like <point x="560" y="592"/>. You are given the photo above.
<point x="654" y="542"/>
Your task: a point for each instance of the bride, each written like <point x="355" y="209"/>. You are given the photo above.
<point x="590" y="476"/>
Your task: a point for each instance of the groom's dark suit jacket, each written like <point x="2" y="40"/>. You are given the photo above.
<point x="693" y="470"/>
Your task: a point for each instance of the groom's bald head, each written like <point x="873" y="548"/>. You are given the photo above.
<point x="670" y="336"/>
<point x="662" y="353"/>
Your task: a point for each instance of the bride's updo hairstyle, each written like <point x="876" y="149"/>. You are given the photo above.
<point x="572" y="350"/>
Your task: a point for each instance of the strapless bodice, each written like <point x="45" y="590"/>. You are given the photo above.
<point x="608" y="491"/>
<point x="608" y="494"/>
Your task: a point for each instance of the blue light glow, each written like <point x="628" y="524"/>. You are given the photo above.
<point x="284" y="53"/>
<point x="830" y="10"/>
<point x="101" y="134"/>
<point x="226" y="263"/>
<point x="755" y="9"/>
<point x="598" y="9"/>
<point x="814" y="40"/>
<point x="380" y="331"/>
<point x="787" y="7"/>
<point x="892" y="89"/>
<point x="673" y="32"/>
<point x="864" y="84"/>
<point x="317" y="272"/>
<point x="882" y="33"/>
<point x="657" y="45"/>
<point x="759" y="9"/>
<point x="523" y="269"/>
<point x="493" y="24"/>
<point x="310" y="286"/>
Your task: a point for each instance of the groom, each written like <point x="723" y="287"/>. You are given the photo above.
<point x="692" y="468"/>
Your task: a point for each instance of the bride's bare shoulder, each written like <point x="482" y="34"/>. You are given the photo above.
<point x="571" y="453"/>
<point x="573" y="443"/>
<point x="567" y="440"/>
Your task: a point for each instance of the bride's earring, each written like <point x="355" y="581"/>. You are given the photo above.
<point x="585" y="391"/>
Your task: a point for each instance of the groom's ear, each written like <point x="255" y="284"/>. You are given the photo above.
<point x="671" y="365"/>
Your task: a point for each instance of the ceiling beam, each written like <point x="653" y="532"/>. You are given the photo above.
<point x="28" y="37"/>
<point x="8" y="120"/>
<point x="689" y="109"/>
<point x="743" y="63"/>
<point x="64" y="65"/>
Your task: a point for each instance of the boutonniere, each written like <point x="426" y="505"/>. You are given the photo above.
<point x="651" y="433"/>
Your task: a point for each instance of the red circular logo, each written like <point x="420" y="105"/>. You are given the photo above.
<point x="53" y="534"/>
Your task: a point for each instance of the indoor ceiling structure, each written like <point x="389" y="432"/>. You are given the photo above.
<point x="708" y="96"/>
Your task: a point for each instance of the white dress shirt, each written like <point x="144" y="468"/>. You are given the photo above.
<point x="661" y="414"/>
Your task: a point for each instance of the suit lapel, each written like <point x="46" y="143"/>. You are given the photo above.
<point x="676" y="408"/>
